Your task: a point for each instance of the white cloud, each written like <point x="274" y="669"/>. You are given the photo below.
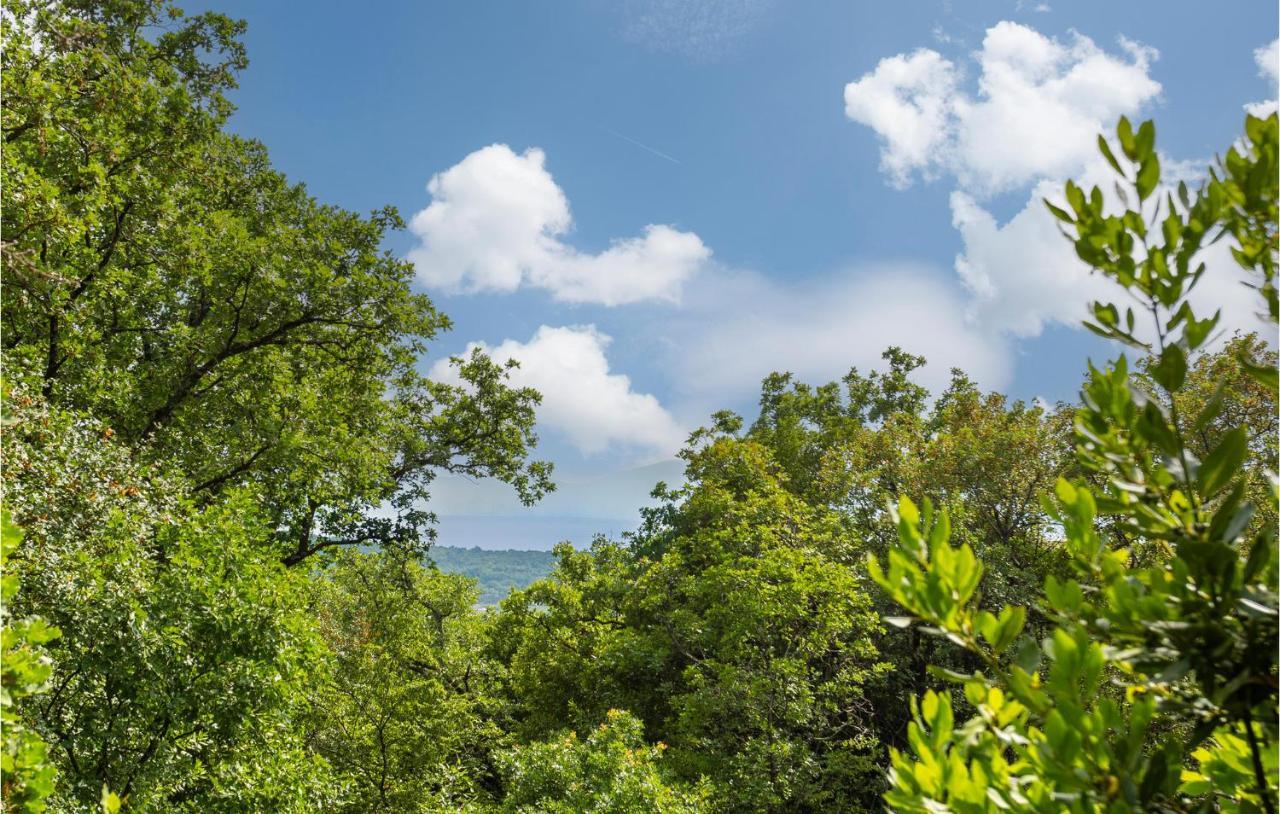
<point x="908" y="101"/>
<point x="1023" y="273"/>
<point x="1033" y="122"/>
<point x="738" y="328"/>
<point x="593" y="408"/>
<point x="496" y="222"/>
<point x="654" y="266"/>
<point x="1268" y="59"/>
<point x="1038" y="106"/>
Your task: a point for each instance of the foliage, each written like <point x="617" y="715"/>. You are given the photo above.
<point x="407" y="714"/>
<point x="26" y="772"/>
<point x="612" y="771"/>
<point x="269" y="342"/>
<point x="184" y="649"/>
<point x="1164" y="637"/>
<point x="726" y="627"/>
<point x="853" y="445"/>
<point x="220" y="448"/>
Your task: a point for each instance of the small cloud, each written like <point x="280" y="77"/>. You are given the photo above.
<point x="594" y="408"/>
<point x="497" y="220"/>
<point x="1268" y="60"/>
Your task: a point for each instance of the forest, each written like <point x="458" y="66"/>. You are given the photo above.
<point x="495" y="572"/>
<point x="219" y="451"/>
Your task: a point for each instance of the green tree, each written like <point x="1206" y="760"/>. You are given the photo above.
<point x="727" y="625"/>
<point x="407" y="716"/>
<point x="611" y="771"/>
<point x="1222" y="386"/>
<point x="851" y="446"/>
<point x="185" y="650"/>
<point x="163" y="277"/>
<point x="569" y="650"/>
<point x="1164" y="638"/>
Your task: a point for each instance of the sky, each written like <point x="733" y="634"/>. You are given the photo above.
<point x="651" y="204"/>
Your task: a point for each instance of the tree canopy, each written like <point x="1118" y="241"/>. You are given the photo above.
<point x="219" y="447"/>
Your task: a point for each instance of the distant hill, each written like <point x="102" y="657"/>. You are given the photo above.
<point x="497" y="572"/>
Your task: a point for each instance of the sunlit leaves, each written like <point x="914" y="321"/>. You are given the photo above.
<point x="27" y="773"/>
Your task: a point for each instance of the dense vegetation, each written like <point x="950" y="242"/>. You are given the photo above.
<point x="869" y="596"/>
<point x="495" y="572"/>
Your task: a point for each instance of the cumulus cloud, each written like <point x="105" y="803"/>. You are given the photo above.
<point x="497" y="221"/>
<point x="1038" y="105"/>
<point x="1032" y="123"/>
<point x="593" y="408"/>
<point x="1022" y="274"/>
<point x="1268" y="59"/>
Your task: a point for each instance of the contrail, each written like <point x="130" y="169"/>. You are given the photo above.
<point x="641" y="145"/>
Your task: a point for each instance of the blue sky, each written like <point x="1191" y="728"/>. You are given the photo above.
<point x="652" y="203"/>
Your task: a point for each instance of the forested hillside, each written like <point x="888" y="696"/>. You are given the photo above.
<point x="219" y="448"/>
<point x="496" y="572"/>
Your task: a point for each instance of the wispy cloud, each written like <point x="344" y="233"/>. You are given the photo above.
<point x="702" y="30"/>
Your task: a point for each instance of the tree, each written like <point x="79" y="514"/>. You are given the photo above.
<point x="612" y="771"/>
<point x="728" y="626"/>
<point x="1157" y="649"/>
<point x="185" y="650"/>
<point x="1222" y="386"/>
<point x="407" y="717"/>
<point x="851" y="446"/>
<point x="569" y="648"/>
<point x="221" y="321"/>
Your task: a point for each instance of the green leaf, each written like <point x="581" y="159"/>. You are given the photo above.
<point x="1223" y="463"/>
<point x="1145" y="142"/>
<point x="1105" y="149"/>
<point x="1259" y="555"/>
<point x="1170" y="370"/>
<point x="1059" y="213"/>
<point x="949" y="675"/>
<point x="1155" y="778"/>
<point x="1197" y="331"/>
<point x="1124" y="130"/>
<point x="1148" y="176"/>
<point x="1011" y="621"/>
<point x="1027" y="655"/>
<point x="1075" y="197"/>
<point x="1266" y="375"/>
